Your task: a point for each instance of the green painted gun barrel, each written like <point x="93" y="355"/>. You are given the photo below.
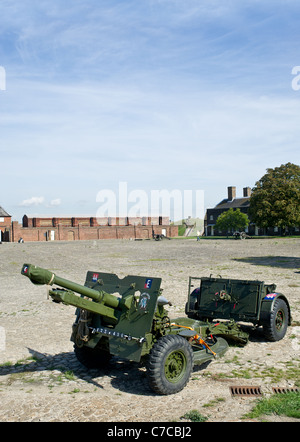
<point x="38" y="275"/>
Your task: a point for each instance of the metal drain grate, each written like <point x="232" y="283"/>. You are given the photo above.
<point x="284" y="390"/>
<point x="237" y="390"/>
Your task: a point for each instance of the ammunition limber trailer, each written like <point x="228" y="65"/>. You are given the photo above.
<point x="240" y="301"/>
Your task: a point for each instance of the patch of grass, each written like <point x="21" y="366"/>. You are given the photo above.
<point x="234" y="360"/>
<point x="181" y="230"/>
<point x="214" y="402"/>
<point x="283" y="404"/>
<point x="22" y="377"/>
<point x="194" y="416"/>
<point x="69" y="375"/>
<point x="240" y="373"/>
<point x="76" y="390"/>
<point x="58" y="379"/>
<point x="290" y="371"/>
<point x="6" y="364"/>
<point x="64" y="375"/>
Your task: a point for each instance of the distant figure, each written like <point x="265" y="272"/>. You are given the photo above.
<point x="198" y="235"/>
<point x="21" y="240"/>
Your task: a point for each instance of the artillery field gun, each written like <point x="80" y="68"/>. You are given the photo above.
<point x="126" y="318"/>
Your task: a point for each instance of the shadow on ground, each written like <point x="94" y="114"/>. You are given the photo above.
<point x="124" y="375"/>
<point x="285" y="262"/>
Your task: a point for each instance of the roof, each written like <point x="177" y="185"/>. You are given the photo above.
<point x="235" y="203"/>
<point x="3" y="212"/>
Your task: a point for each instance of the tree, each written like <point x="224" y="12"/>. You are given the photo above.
<point x="232" y="220"/>
<point x="275" y="199"/>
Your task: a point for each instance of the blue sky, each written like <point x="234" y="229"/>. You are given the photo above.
<point x="160" y="94"/>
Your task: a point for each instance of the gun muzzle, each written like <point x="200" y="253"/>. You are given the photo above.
<point x="40" y="276"/>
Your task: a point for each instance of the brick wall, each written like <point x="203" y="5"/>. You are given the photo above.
<point x="5" y="221"/>
<point x="93" y="221"/>
<point x="83" y="232"/>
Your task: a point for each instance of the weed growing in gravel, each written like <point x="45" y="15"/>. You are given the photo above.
<point x="194" y="416"/>
<point x="69" y="375"/>
<point x="214" y="402"/>
<point x="76" y="390"/>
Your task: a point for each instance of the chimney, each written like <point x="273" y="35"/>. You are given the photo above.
<point x="231" y="193"/>
<point x="247" y="192"/>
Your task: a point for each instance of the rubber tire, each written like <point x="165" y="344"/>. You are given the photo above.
<point x="160" y="359"/>
<point x="271" y="332"/>
<point x="92" y="357"/>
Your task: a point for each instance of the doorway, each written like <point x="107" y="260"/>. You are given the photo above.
<point x="71" y="235"/>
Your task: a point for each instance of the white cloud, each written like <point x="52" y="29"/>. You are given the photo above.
<point x="55" y="202"/>
<point x="33" y="201"/>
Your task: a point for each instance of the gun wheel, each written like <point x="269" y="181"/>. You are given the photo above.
<point x="92" y="357"/>
<point x="170" y="364"/>
<point x="278" y="322"/>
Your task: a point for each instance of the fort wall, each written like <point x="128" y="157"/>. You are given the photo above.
<point x="75" y="229"/>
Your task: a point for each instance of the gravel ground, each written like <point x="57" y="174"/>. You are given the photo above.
<point x="41" y="380"/>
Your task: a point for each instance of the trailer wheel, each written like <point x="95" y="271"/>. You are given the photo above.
<point x="92" y="357"/>
<point x="170" y="364"/>
<point x="278" y="321"/>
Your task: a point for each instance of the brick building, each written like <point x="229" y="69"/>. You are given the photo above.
<point x="233" y="202"/>
<point x="90" y="228"/>
<point x="5" y="225"/>
<point x="242" y="203"/>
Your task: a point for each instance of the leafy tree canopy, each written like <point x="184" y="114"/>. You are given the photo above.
<point x="275" y="199"/>
<point x="232" y="220"/>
